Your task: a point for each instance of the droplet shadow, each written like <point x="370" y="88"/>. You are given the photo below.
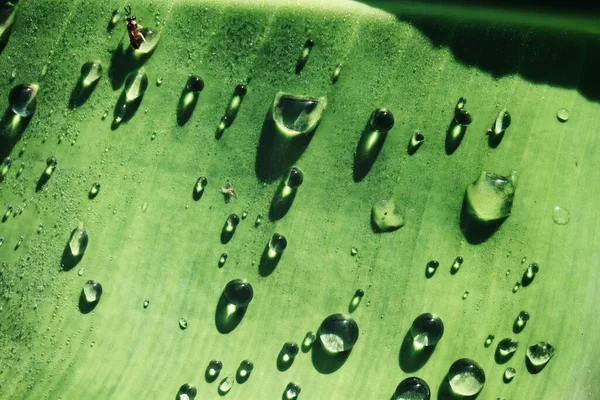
<point x="186" y="105"/>
<point x="525" y="280"/>
<point x="454" y="136"/>
<point x="11" y="129"/>
<point x="86" y="307"/>
<point x="494" y="140"/>
<point x="475" y="231"/>
<point x="367" y="151"/>
<point x="411" y="357"/>
<point x="131" y="108"/>
<point x="123" y="61"/>
<point x="268" y="264"/>
<point x="67" y="260"/>
<point x="227" y="320"/>
<point x="226" y="235"/>
<point x="81" y="93"/>
<point x="327" y="363"/>
<point x="518" y="328"/>
<point x="282" y="201"/>
<point x="534" y="369"/>
<point x="43" y="179"/>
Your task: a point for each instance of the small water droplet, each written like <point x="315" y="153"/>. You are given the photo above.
<point x="506" y="348"/>
<point x="235" y="102"/>
<point x="288" y="353"/>
<point x="562" y="115"/>
<point x="199" y="187"/>
<point x="295" y="178"/>
<point x="297" y="116"/>
<point x="244" y="214"/>
<point x="258" y="221"/>
<point x="226" y="385"/>
<point x="187" y="392"/>
<point x="490" y="198"/>
<point x="427" y="330"/>
<point x="146" y="303"/>
<point x="412" y="388"/>
<point x="151" y="38"/>
<point x="23" y="99"/>
<point x="353" y="251"/>
<point x="431" y="267"/>
<point x="114" y="19"/>
<point x="239" y="292"/>
<point x="502" y="122"/>
<point x="91" y="72"/>
<point x="456" y="265"/>
<point x="80" y="272"/>
<point x="229" y="228"/>
<point x="159" y="80"/>
<point x="244" y="370"/>
<point x="222" y="260"/>
<point x="308" y="45"/>
<point x="9" y="210"/>
<point x="13" y="75"/>
<point x="51" y="164"/>
<point x="416" y="140"/>
<point x="92" y="291"/>
<point x="336" y="73"/>
<point x="194" y="84"/>
<point x="277" y="245"/>
<point x="78" y="242"/>
<point x="516" y="288"/>
<point x="338" y="333"/>
<point x="561" y="216"/>
<point x="529" y="274"/>
<point x="308" y="341"/>
<point x="40" y="229"/>
<point x="94" y="190"/>
<point x="509" y="374"/>
<point x="292" y="391"/>
<point x="214" y="369"/>
<point x="6" y="164"/>
<point x="183" y="323"/>
<point x="538" y="356"/>
<point x="489" y="340"/>
<point x="521" y="321"/>
<point x="105" y="114"/>
<point x="144" y="206"/>
<point x="19" y="242"/>
<point x="136" y="84"/>
<point x="465" y="295"/>
<point x="355" y="302"/>
<point x="2" y="240"/>
<point x="21" y="168"/>
<point x="386" y="217"/>
<point x="466" y="377"/>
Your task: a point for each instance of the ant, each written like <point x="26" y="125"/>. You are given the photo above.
<point x="135" y="36"/>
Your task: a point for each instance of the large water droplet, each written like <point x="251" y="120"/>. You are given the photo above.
<point x="291" y="392"/>
<point x="226" y="385"/>
<point x="92" y="291"/>
<point x="338" y="333"/>
<point x="186" y="392"/>
<point x="136" y="84"/>
<point x="427" y="330"/>
<point x="91" y="72"/>
<point x="78" y="242"/>
<point x="239" y="292"/>
<point x="386" y="217"/>
<point x="562" y="115"/>
<point x="490" y="198"/>
<point x="561" y="215"/>
<point x="412" y="388"/>
<point x="277" y="245"/>
<point x="466" y="377"/>
<point x="295" y="116"/>
<point x="538" y="356"/>
<point x="23" y="99"/>
<point x="151" y="38"/>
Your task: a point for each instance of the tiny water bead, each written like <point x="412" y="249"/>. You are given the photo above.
<point x="529" y="274"/>
<point x="258" y="220"/>
<point x="91" y="72"/>
<point x="308" y="341"/>
<point x="23" y="99"/>
<point x="234" y="104"/>
<point x="244" y="214"/>
<point x="562" y="115"/>
<point x="9" y="210"/>
<point x="78" y="242"/>
<point x="509" y="374"/>
<point x="226" y="385"/>
<point x="465" y="295"/>
<point x="358" y="295"/>
<point x="308" y="45"/>
<point x="21" y="169"/>
<point x="416" y="140"/>
<point x="222" y="260"/>
<point x="353" y="251"/>
<point x="521" y="321"/>
<point x="214" y="369"/>
<point x="199" y="187"/>
<point x="412" y="388"/>
<point x="297" y="116"/>
<point x="245" y="368"/>
<point x="466" y="377"/>
<point x="538" y="355"/>
<point x="336" y="73"/>
<point x="187" y="392"/>
<point x="6" y="164"/>
<point x="289" y="352"/>
<point x="19" y="242"/>
<point x="431" y="267"/>
<point x="386" y="217"/>
<point x="183" y="324"/>
<point x="195" y="84"/>
<point x="489" y="340"/>
<point x="231" y="224"/>
<point x="560" y="215"/>
<point x="159" y="81"/>
<point x="136" y="84"/>
<point x="239" y="292"/>
<point x="277" y="245"/>
<point x="490" y="198"/>
<point x="92" y="291"/>
<point x="291" y="392"/>
<point x="502" y="122"/>
<point x="146" y="303"/>
<point x="338" y="333"/>
<point x="507" y="347"/>
<point x="427" y="330"/>
<point x="456" y="265"/>
<point x="94" y="190"/>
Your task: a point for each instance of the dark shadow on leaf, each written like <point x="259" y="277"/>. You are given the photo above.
<point x="475" y="231"/>
<point x="123" y="61"/>
<point x="185" y="111"/>
<point x="131" y="108"/>
<point x="81" y="93"/>
<point x="44" y="178"/>
<point x="11" y="129"/>
<point x="68" y="261"/>
<point x="411" y="357"/>
<point x="445" y="392"/>
<point x="84" y="306"/>
<point x="534" y="369"/>
<point x="226" y="321"/>
<point x="267" y="264"/>
<point x="327" y="363"/>
<point x="494" y="140"/>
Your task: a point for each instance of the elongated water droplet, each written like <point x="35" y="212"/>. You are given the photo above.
<point x="412" y="388"/>
<point x="538" y="356"/>
<point x="296" y="116"/>
<point x="151" y="38"/>
<point x="214" y="369"/>
<point x="6" y="164"/>
<point x="258" y="221"/>
<point x="490" y="198"/>
<point x="308" y="341"/>
<point x="489" y="340"/>
<point x="465" y="295"/>
<point x="277" y="245"/>
<point x="456" y="265"/>
<point x="502" y="122"/>
<point x="244" y="370"/>
<point x="308" y="45"/>
<point x="187" y="392"/>
<point x="183" y="324"/>
<point x="114" y="19"/>
<point x="94" y="190"/>
<point x="562" y="115"/>
<point x="23" y="99"/>
<point x="336" y="73"/>
<point x="146" y="303"/>
<point x="235" y="102"/>
<point x="516" y="288"/>
<point x="231" y="224"/>
<point x="353" y="251"/>
<point x="386" y="217"/>
<point x="288" y="352"/>
<point x="226" y="385"/>
<point x="136" y="84"/>
<point x="2" y="240"/>
<point x="431" y="267"/>
<point x="9" y="210"/>
<point x="222" y="260"/>
<point x="51" y="164"/>
<point x="561" y="215"/>
<point x="92" y="291"/>
<point x="427" y="330"/>
<point x="460" y="104"/>
<point x="244" y="214"/>
<point x="91" y="72"/>
<point x="19" y="242"/>
<point x="509" y="374"/>
<point x="521" y="321"/>
<point x="506" y="348"/>
<point x="199" y="187"/>
<point x="239" y="292"/>
<point x="355" y="302"/>
<point x="338" y="333"/>
<point x="291" y="392"/>
<point x="78" y="242"/>
<point x="466" y="377"/>
<point x="416" y="140"/>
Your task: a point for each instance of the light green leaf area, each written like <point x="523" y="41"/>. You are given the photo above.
<point x="149" y="239"/>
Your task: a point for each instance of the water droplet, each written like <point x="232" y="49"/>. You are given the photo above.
<point x="529" y="274"/>
<point x="336" y="73"/>
<point x="431" y="268"/>
<point x="516" y="288"/>
<point x="23" y="99"/>
<point x="199" y="187"/>
<point x="386" y="217"/>
<point x="412" y="388"/>
<point x="91" y="72"/>
<point x="6" y="164"/>
<point x="244" y="370"/>
<point x="40" y="229"/>
<point x="80" y="272"/>
<point x="9" y="210"/>
<point x="561" y="216"/>
<point x="456" y="265"/>
<point x="92" y="291"/>
<point x="213" y="369"/>
<point x="355" y="302"/>
<point x="78" y="242"/>
<point x="490" y="198"/>
<point x="244" y="214"/>
<point x="295" y="178"/>
<point x="353" y="251"/>
<point x="465" y="295"/>
<point x="51" y="164"/>
<point x="183" y="323"/>
<point x="21" y="168"/>
<point x="509" y="374"/>
<point x="187" y="392"/>
<point x="416" y="140"/>
<point x="466" y="377"/>
<point x="338" y="333"/>
<point x="239" y="292"/>
<point x="94" y="190"/>
<point x="105" y="114"/>
<point x="136" y="84"/>
<point x="460" y="104"/>
<point x="229" y="228"/>
<point x="538" y="356"/>
<point x="427" y="330"/>
<point x="114" y="19"/>
<point x="308" y="341"/>
<point x="489" y="340"/>
<point x="288" y="353"/>
<point x="258" y="221"/>
<point x="458" y="126"/>
<point x="222" y="260"/>
<point x="277" y="245"/>
<point x="2" y="240"/>
<point x="292" y="391"/>
<point x="20" y="242"/>
<point x="195" y="84"/>
<point x="296" y="116"/>
<point x="562" y="115"/>
<point x="226" y="385"/>
<point x="505" y="350"/>
<point x="159" y="80"/>
<point x="151" y="38"/>
<point x="146" y="303"/>
<point x="234" y="105"/>
<point x="502" y="122"/>
<point x="308" y="45"/>
<point x="521" y="321"/>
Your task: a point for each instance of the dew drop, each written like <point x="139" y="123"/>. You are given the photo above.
<point x="244" y="214"/>
<point x="91" y="72"/>
<point x="214" y="369"/>
<point x="509" y="374"/>
<point x="466" y="377"/>
<point x="412" y="388"/>
<point x="561" y="216"/>
<point x="431" y="267"/>
<point x="2" y="240"/>
<point x="288" y="353"/>
<point x="506" y="348"/>
<point x="21" y="168"/>
<point x="336" y="73"/>
<point x="502" y="122"/>
<point x="356" y="299"/>
<point x="516" y="288"/>
<point x="23" y="99"/>
<point x="416" y="140"/>
<point x="146" y="303"/>
<point x="183" y="323"/>
<point x="19" y="242"/>
<point x="308" y="341"/>
<point x="295" y="178"/>
<point x="538" y="356"/>
<point x="386" y="217"/>
<point x="239" y="292"/>
<point x="187" y="392"/>
<point x="353" y="251"/>
<point x="222" y="260"/>
<point x="199" y="187"/>
<point x="94" y="190"/>
<point x="92" y="291"/>
<point x="151" y="38"/>
<point x="490" y="198"/>
<point x="226" y="385"/>
<point x="489" y="340"/>
<point x="521" y="321"/>
<point x="297" y="116"/>
<point x="277" y="245"/>
<point x="338" y="333"/>
<point x="258" y="221"/>
<point x="529" y="274"/>
<point x="6" y="164"/>
<point x="114" y="19"/>
<point x="465" y="295"/>
<point x="9" y="211"/>
<point x="229" y="228"/>
<point x="562" y="115"/>
<point x="136" y="84"/>
<point x="159" y="81"/>
<point x="292" y="391"/>
<point x="244" y="370"/>
<point x="308" y="45"/>
<point x="78" y="242"/>
<point x="427" y="330"/>
<point x="456" y="265"/>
